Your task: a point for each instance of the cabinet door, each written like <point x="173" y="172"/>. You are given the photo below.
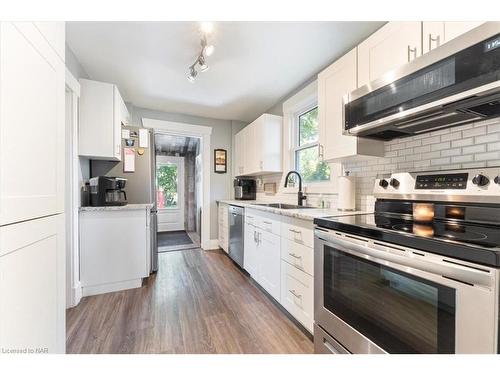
<point x="452" y="29"/>
<point x="238" y="154"/>
<point x="118" y="119"/>
<point x="32" y="281"/>
<point x="97" y="134"/>
<point x="55" y="33"/>
<point x="268" y="143"/>
<point x="333" y="83"/>
<point x="250" y="252"/>
<point x="393" y="45"/>
<point x="269" y="261"/>
<point x="251" y="161"/>
<point x="31" y="125"/>
<point x="432" y="35"/>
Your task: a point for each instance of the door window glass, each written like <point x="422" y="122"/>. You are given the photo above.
<point x="166" y="186"/>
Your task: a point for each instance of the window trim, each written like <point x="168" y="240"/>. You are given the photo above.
<point x="295" y="124"/>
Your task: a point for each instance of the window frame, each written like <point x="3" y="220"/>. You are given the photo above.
<point x="295" y="123"/>
<point x="159" y="165"/>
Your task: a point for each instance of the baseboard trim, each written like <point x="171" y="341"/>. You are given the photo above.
<point x="111" y="287"/>
<point x="211" y="245"/>
<point x="75" y="295"/>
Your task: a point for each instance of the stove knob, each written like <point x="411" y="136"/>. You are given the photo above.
<point x="497" y="180"/>
<point x="383" y="182"/>
<point x="394" y="183"/>
<point x="480" y="180"/>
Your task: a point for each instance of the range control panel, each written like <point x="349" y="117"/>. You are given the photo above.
<point x="442" y="181"/>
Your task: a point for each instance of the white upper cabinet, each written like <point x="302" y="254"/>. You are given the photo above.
<point x="333" y="83"/>
<point x="258" y="147"/>
<point x="55" y="33"/>
<point x="436" y="33"/>
<point x="102" y="113"/>
<point x="395" y="44"/>
<point x="31" y="124"/>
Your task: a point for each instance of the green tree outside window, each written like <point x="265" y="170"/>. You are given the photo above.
<point x="166" y="182"/>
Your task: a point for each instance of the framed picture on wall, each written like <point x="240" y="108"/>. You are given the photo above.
<point x="220" y="161"/>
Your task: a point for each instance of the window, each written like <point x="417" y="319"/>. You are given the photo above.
<point x="166" y="185"/>
<point x="306" y="151"/>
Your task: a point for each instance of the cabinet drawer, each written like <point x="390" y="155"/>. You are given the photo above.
<point x="266" y="221"/>
<point x="297" y="294"/>
<point x="300" y="231"/>
<point x="298" y="255"/>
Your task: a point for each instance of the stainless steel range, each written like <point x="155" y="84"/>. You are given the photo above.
<point x="419" y="275"/>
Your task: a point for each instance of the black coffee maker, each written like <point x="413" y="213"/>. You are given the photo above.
<point x="107" y="191"/>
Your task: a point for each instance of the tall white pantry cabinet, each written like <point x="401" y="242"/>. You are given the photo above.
<point x="32" y="267"/>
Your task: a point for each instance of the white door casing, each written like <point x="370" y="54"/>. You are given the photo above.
<point x="204" y="134"/>
<point x="170" y="219"/>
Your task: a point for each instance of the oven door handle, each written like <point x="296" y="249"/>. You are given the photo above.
<point x="410" y="259"/>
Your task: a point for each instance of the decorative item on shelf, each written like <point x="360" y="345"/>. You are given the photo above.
<point x="206" y="50"/>
<point x="270" y="188"/>
<point x="220" y="161"/>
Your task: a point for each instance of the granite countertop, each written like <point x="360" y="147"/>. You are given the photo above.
<point x="131" y="206"/>
<point x="301" y="213"/>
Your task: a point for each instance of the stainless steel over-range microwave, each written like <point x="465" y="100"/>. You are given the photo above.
<point x="456" y="83"/>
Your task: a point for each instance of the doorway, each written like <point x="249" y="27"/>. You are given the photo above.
<point x="176" y="191"/>
<point x="203" y="173"/>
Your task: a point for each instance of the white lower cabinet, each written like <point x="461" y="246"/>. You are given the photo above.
<point x="297" y="295"/>
<point x="268" y="260"/>
<point x="223" y="227"/>
<point x="279" y="256"/>
<point x="113" y="250"/>
<point x="32" y="286"/>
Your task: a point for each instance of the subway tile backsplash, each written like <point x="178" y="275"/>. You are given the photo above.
<point x="474" y="145"/>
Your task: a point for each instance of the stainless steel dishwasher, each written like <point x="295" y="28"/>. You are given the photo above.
<point x="236" y="230"/>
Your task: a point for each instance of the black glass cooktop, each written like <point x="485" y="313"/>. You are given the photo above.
<point x="473" y="242"/>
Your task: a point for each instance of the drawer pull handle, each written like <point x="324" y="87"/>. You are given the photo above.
<point x="295" y="293"/>
<point x="295" y="255"/>
<point x="294" y="231"/>
<point x="267" y="222"/>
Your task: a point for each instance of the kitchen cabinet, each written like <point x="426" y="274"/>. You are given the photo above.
<point x="32" y="158"/>
<point x="32" y="285"/>
<point x="113" y="248"/>
<point x="223" y="227"/>
<point x="262" y="256"/>
<point x="436" y="33"/>
<point x="333" y="83"/>
<point x="102" y="114"/>
<point x="269" y="262"/>
<point x="258" y="147"/>
<point x="31" y="125"/>
<point x="393" y="45"/>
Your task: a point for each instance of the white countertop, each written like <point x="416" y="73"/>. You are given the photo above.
<point x="131" y="206"/>
<point x="301" y="213"/>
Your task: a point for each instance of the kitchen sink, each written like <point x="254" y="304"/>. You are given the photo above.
<point x="282" y="206"/>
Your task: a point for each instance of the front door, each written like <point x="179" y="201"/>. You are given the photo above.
<point x="170" y="192"/>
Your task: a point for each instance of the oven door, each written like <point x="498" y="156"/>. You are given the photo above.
<point x="378" y="298"/>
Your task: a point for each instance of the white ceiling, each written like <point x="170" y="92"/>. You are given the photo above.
<point x="255" y="64"/>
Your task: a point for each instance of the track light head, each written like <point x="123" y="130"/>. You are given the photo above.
<point x="192" y="74"/>
<point x="203" y="63"/>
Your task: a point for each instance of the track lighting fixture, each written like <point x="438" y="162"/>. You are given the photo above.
<point x="206" y="50"/>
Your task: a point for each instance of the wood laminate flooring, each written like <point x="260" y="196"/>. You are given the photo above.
<point x="198" y="302"/>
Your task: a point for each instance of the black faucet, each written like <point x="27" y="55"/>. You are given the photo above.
<point x="300" y="196"/>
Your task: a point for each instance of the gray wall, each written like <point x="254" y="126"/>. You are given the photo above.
<point x="222" y="134"/>
<point x="74" y="65"/>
